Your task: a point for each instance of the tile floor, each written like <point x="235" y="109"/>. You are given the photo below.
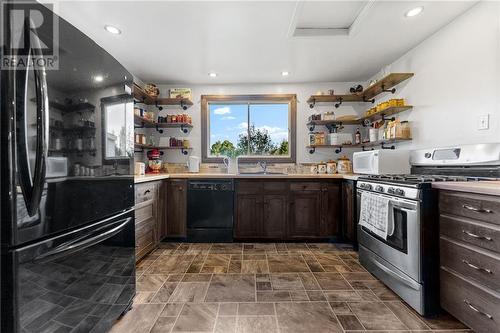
<point x="266" y="287"/>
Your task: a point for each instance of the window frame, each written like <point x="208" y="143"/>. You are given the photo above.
<point x="290" y="99"/>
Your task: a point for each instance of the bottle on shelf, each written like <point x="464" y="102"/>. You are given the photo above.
<point x="357" y="137"/>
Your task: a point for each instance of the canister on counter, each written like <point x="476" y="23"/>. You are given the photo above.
<point x="344" y="165"/>
<point x="331" y="167"/>
<point x="322" y="168"/>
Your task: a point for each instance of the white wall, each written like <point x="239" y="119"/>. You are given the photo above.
<point x="457" y="79"/>
<point x="303" y="92"/>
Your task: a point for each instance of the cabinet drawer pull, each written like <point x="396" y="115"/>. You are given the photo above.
<point x="476" y="236"/>
<point x="477" y="268"/>
<point x="477" y="210"/>
<point x="469" y="304"/>
<point x="146" y="192"/>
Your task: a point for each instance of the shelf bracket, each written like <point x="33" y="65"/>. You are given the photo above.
<point x="311" y="105"/>
<point x="338" y="150"/>
<point x="158" y="129"/>
<point x="365" y="149"/>
<point x="392" y="91"/>
<point x="143" y="101"/>
<point x="384" y="118"/>
<point x="339" y="102"/>
<point x="184" y="151"/>
<point x="311" y="127"/>
<point x="184" y="129"/>
<point x="368" y="100"/>
<point x="383" y="146"/>
<point x="158" y="106"/>
<point x="183" y="105"/>
<point x="140" y="126"/>
<point x="331" y="127"/>
<point x="312" y="150"/>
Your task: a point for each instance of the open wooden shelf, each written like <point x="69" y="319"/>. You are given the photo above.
<point x="338" y="148"/>
<point x="384" y="113"/>
<point x="184" y="150"/>
<point x="333" y="122"/>
<point x="141" y="96"/>
<point x="386" y="83"/>
<point x="143" y="122"/>
<point x="383" y="85"/>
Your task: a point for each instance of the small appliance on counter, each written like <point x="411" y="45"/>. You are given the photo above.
<point x="154" y="163"/>
<point x="194" y="164"/>
<point x="383" y="161"/>
<point x="406" y="256"/>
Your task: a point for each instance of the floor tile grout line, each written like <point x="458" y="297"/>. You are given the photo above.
<point x="156" y="319"/>
<point x="411" y="314"/>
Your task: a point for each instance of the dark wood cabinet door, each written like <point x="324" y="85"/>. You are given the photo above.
<point x="349" y="213"/>
<point x="331" y="213"/>
<point x="248" y="222"/>
<point x="176" y="208"/>
<point x="304" y="218"/>
<point x="274" y="216"/>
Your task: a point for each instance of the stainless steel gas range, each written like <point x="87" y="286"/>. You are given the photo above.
<point x="407" y="260"/>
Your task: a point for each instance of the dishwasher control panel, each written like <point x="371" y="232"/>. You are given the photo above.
<point x="211" y="185"/>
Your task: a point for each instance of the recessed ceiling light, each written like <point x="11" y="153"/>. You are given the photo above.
<point x="112" y="29"/>
<point x="98" y="78"/>
<point x="212" y="74"/>
<point x="285" y="73"/>
<point x="414" y="12"/>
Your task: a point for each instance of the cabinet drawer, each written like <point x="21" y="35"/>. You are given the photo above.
<point x="144" y="227"/>
<point x="144" y="211"/>
<point x="479" y="207"/>
<point x="305" y="186"/>
<point x="145" y="192"/>
<point x="477" y="307"/>
<point x="477" y="233"/>
<point x="275" y="187"/>
<point x="245" y="187"/>
<point x="483" y="267"/>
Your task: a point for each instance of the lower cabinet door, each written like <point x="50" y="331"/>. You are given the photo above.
<point x="248" y="216"/>
<point x="304" y="221"/>
<point x="275" y="216"/>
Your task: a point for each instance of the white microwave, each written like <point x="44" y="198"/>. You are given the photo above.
<point x="380" y="162"/>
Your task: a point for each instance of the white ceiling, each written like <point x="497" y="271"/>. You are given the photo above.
<point x="252" y="41"/>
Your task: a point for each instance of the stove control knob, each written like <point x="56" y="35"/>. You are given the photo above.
<point x="368" y="186"/>
<point x="400" y="192"/>
<point x="427" y="155"/>
<point x="391" y="190"/>
<point x="379" y="189"/>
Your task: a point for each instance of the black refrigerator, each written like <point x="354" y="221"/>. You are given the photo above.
<point x="67" y="219"/>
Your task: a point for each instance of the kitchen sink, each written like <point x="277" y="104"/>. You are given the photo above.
<point x="265" y="173"/>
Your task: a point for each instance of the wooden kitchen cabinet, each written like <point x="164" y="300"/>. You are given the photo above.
<point x="287" y="210"/>
<point x="146" y="218"/>
<point x="304" y="221"/>
<point x="259" y="215"/>
<point x="470" y="258"/>
<point x="349" y="211"/>
<point x="248" y="221"/>
<point x="176" y="212"/>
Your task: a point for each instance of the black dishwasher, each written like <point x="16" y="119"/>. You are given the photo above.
<point x="210" y="211"/>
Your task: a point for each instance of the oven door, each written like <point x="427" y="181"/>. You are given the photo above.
<point x="402" y="248"/>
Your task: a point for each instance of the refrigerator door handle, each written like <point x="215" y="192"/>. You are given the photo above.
<point x="32" y="188"/>
<point x="77" y="245"/>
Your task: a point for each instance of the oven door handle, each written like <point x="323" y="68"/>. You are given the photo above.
<point x="406" y="281"/>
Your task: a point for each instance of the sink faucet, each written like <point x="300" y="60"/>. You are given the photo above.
<point x="263" y="165"/>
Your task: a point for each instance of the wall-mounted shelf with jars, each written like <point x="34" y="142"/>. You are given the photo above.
<point x="142" y="147"/>
<point x="368" y="95"/>
<point x="142" y="97"/>
<point x="384" y="144"/>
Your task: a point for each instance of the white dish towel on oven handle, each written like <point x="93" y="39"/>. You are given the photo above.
<point x="375" y="214"/>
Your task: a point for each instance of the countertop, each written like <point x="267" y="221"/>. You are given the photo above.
<point x="153" y="177"/>
<point x="481" y="187"/>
